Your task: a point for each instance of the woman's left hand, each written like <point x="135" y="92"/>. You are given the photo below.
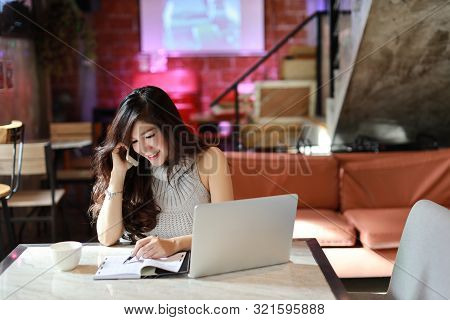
<point x="154" y="247"/>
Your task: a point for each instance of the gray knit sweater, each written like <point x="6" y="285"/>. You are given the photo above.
<point x="177" y="198"/>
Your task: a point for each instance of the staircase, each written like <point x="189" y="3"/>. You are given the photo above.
<point x="392" y="88"/>
<point x="383" y="74"/>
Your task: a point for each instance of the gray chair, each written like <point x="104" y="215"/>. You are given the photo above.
<point x="422" y="267"/>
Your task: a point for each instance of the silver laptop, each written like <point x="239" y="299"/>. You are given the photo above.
<point x="242" y="234"/>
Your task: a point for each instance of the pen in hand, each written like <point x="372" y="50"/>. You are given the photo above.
<point x="128" y="259"/>
<point x="131" y="258"/>
<point x="133" y="255"/>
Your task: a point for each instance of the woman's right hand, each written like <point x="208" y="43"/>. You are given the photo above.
<point x="120" y="166"/>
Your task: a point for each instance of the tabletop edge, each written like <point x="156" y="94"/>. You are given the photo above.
<point x="336" y="285"/>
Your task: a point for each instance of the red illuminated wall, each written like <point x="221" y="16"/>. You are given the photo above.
<point x="116" y="26"/>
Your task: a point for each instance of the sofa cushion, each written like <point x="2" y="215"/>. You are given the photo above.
<point x="396" y="182"/>
<point x="314" y="179"/>
<point x="330" y="228"/>
<point x="361" y="262"/>
<point x="379" y="228"/>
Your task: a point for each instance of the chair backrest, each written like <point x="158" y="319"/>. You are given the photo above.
<point x="69" y="131"/>
<point x="35" y="158"/>
<point x="421" y="270"/>
<point x="384" y="180"/>
<point x="314" y="178"/>
<point x="13" y="136"/>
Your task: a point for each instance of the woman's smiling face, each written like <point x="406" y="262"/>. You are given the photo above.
<point x="148" y="141"/>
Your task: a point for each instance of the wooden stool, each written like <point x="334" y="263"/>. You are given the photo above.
<point x="4" y="193"/>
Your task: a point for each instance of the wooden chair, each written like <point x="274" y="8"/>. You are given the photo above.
<point x="70" y="131"/>
<point x="12" y="135"/>
<point x="37" y="160"/>
<point x="70" y="141"/>
<point x="74" y="136"/>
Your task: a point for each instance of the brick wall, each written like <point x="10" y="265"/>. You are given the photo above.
<point x="19" y="95"/>
<point x="116" y="26"/>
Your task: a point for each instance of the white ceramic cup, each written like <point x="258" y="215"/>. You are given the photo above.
<point x="66" y="255"/>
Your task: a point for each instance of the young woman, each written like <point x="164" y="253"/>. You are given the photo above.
<point x="152" y="203"/>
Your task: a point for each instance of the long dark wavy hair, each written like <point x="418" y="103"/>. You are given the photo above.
<point x="152" y="105"/>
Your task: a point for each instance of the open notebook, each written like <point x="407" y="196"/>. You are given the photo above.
<point x="113" y="267"/>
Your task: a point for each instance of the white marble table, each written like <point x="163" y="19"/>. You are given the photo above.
<point x="28" y="273"/>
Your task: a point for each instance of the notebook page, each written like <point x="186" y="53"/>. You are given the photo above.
<point x="114" y="268"/>
<point x="172" y="263"/>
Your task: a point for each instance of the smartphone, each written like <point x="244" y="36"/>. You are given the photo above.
<point x="132" y="156"/>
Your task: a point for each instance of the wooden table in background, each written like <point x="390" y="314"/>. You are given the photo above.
<point x="75" y="144"/>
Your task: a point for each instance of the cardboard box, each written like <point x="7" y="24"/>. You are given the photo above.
<point x="270" y="135"/>
<point x="299" y="64"/>
<point x="298" y="69"/>
<point x="283" y="101"/>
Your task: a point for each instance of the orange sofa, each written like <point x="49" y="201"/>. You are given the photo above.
<point x="354" y="204"/>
